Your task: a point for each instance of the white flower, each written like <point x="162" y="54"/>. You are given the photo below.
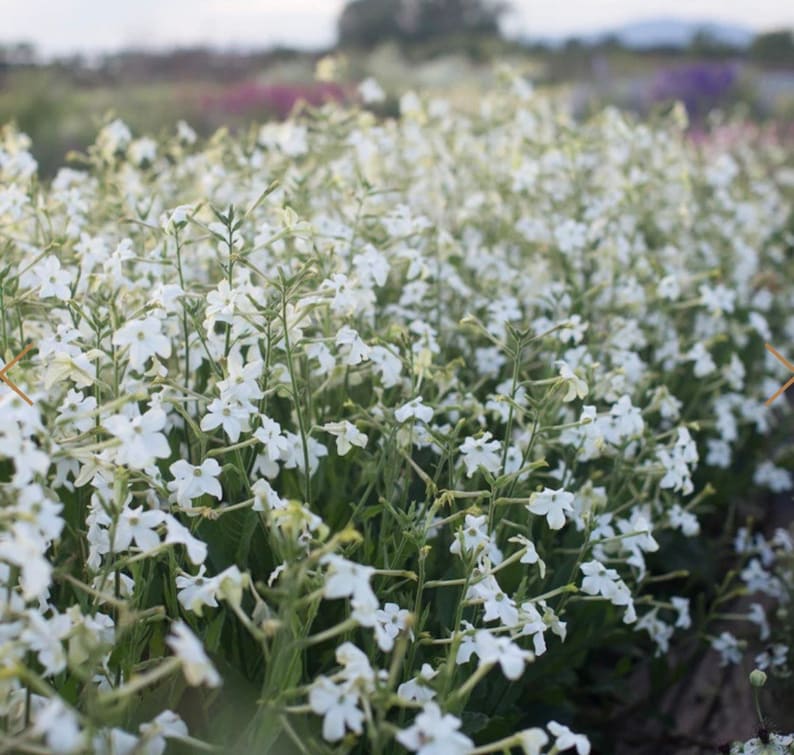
<point x="45" y="638"/>
<point x="775" y="478"/>
<point x="74" y="405"/>
<point x="552" y="504"/>
<point x="575" y="386"/>
<point x="51" y="279"/>
<point x="196" y="666"/>
<point x="533" y="740"/>
<point x="271" y="437"/>
<point x="230" y="414"/>
<point x="389" y="622"/>
<point x="718" y="300"/>
<point x="598" y="580"/>
<point x="531" y="555"/>
<point x="114" y="138"/>
<point x="166" y="725"/>
<point x="176" y="533"/>
<point x="144" y="339"/>
<point x="668" y="288"/>
<point x="338" y="704"/>
<point x="414" y="409"/>
<point x="624" y="422"/>
<point x="573" y="329"/>
<point x="348" y="579"/>
<point x="60" y="727"/>
<point x="347" y="436"/>
<point x="659" y="631"/>
<point x="474" y="537"/>
<point x="193" y="482"/>
<point x="757" y="615"/>
<point x="138" y="526"/>
<point x="197" y="591"/>
<point x="371" y="266"/>
<point x="354" y="349"/>
<point x="418" y="688"/>
<point x="501" y="650"/>
<point x="704" y="364"/>
<point x="141" y="440"/>
<point x="387" y="365"/>
<point x="482" y="453"/>
<point x="729" y="648"/>
<point x="565" y="738"/>
<point x="241" y="382"/>
<point x="686" y="521"/>
<point x="356" y="667"/>
<point x="371" y="91"/>
<point x="435" y="733"/>
<point x="143" y="150"/>
<point x="231" y="583"/>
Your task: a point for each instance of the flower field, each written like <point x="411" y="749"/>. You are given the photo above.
<point x="355" y="435"/>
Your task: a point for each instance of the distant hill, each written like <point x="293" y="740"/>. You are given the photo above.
<point x="663" y="32"/>
<point x="671" y="32"/>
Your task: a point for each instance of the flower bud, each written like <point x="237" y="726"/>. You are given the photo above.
<point x="757" y="678"/>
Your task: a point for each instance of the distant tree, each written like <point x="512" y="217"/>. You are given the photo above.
<point x="774" y="48"/>
<point x="706" y="44"/>
<point x="366" y="23"/>
<point x="18" y="54"/>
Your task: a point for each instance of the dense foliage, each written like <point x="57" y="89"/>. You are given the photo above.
<point x="369" y="436"/>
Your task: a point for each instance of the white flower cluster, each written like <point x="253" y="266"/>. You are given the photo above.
<point x="308" y="408"/>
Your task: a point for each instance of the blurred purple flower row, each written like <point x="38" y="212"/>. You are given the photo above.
<point x="273" y="99"/>
<point x="700" y="86"/>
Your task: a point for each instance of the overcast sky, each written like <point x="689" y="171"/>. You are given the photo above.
<point x="62" y="26"/>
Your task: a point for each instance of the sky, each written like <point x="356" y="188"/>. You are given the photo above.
<point x="65" y="26"/>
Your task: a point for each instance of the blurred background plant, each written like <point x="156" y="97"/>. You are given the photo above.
<point x="447" y="46"/>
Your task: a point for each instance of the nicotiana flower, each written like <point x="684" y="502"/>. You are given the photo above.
<point x="419" y="688"/>
<point x="729" y="648"/>
<point x="195" y="664"/>
<point x="142" y="441"/>
<point x="659" y="631"/>
<point x="565" y="739"/>
<point x="502" y="650"/>
<point x="389" y="622"/>
<point x="348" y="579"/>
<point x="435" y="733"/>
<point x="138" y="526"/>
<point x="52" y="280"/>
<point x="144" y="339"/>
<point x="371" y="92"/>
<point x="228" y="413"/>
<point x="533" y="740"/>
<point x="354" y="349"/>
<point x="177" y="533"/>
<point x="574" y="385"/>
<point x="347" y="436"/>
<point x="414" y="409"/>
<point x="60" y="727"/>
<point x="553" y="504"/>
<point x="195" y="592"/>
<point x="194" y="481"/>
<point x="480" y="453"/>
<point x="338" y="704"/>
<point x="598" y="580"/>
<point x="473" y="537"/>
<point x="274" y="441"/>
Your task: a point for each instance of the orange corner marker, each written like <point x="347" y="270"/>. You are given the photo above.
<point x="9" y="366"/>
<point x="771" y="349"/>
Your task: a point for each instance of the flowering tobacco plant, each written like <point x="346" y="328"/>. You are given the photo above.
<point x="375" y="436"/>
